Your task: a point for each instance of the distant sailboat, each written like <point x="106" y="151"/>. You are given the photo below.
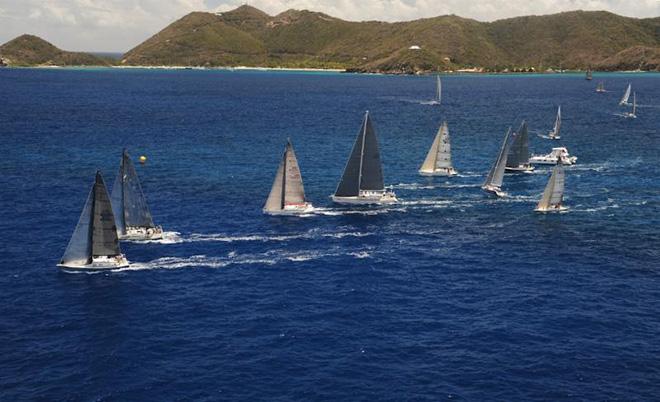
<point x="589" y="76"/>
<point x="287" y="196"/>
<point x="94" y="244"/>
<point x="438" y="90"/>
<point x="626" y="96"/>
<point x="553" y="196"/>
<point x="493" y="183"/>
<point x="601" y="87"/>
<point x="632" y="114"/>
<point x="438" y="159"/>
<point x="134" y="221"/>
<point x="362" y="181"/>
<point x="518" y="159"/>
<point x="555" y="133"/>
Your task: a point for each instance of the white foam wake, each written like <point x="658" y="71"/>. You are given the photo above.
<point x="271" y="257"/>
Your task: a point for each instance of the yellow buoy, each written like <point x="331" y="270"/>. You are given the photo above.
<point x="143" y="159"/>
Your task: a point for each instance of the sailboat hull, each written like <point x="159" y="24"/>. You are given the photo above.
<point x="519" y="169"/>
<point x="496" y="191"/>
<point x="142" y="233"/>
<point x="551" y="209"/>
<point x="102" y="263"/>
<point x="368" y="198"/>
<point x="291" y="210"/>
<point x="439" y="172"/>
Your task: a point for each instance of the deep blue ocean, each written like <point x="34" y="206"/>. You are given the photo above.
<point x="449" y="295"/>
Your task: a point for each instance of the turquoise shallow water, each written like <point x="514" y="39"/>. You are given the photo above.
<point x="450" y="294"/>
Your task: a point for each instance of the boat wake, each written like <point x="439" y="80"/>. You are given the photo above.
<point x="375" y="211"/>
<point x="413" y="186"/>
<point x="271" y="257"/>
<point x="309" y="235"/>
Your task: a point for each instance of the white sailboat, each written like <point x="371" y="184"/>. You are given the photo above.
<point x="438" y="159"/>
<point x="362" y="180"/>
<point x="555" y="133"/>
<point x="553" y="196"/>
<point x="633" y="113"/>
<point x="601" y="87"/>
<point x="493" y="183"/>
<point x="438" y="94"/>
<point x="94" y="244"/>
<point x="132" y="214"/>
<point x="518" y="159"/>
<point x="287" y="195"/>
<point x="626" y="96"/>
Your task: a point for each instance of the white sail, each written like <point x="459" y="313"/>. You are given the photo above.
<point x="555" y="133"/>
<point x="287" y="190"/>
<point x="634" y="109"/>
<point x="438" y="159"/>
<point x="554" y="191"/>
<point x="438" y="94"/>
<point x="626" y="96"/>
<point x="496" y="174"/>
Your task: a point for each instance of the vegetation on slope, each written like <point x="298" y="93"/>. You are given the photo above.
<point x="30" y="50"/>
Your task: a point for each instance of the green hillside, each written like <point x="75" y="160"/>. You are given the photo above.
<point x="30" y="50"/>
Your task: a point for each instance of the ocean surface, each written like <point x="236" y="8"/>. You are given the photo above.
<point x="449" y="295"/>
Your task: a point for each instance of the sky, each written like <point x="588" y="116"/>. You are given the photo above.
<point x="119" y="25"/>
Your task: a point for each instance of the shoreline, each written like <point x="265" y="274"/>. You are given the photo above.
<point x="462" y="72"/>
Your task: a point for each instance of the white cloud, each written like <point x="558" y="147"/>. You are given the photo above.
<point x="118" y="25"/>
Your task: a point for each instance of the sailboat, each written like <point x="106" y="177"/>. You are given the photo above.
<point x="554" y="134"/>
<point x="518" y="159"/>
<point x="553" y="196"/>
<point x="94" y="244"/>
<point x="287" y="196"/>
<point x="601" y="87"/>
<point x="438" y="90"/>
<point x="493" y="183"/>
<point x="134" y="221"/>
<point x="362" y="181"/>
<point x="632" y="114"/>
<point x="626" y="96"/>
<point x="438" y="159"/>
<point x="589" y="76"/>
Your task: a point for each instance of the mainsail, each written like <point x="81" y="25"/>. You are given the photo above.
<point x="556" y="129"/>
<point x="554" y="190"/>
<point x="288" y="186"/>
<point x="496" y="174"/>
<point x="438" y="94"/>
<point x="439" y="156"/>
<point x="634" y="108"/>
<point x="519" y="152"/>
<point x="626" y="96"/>
<point x="128" y="201"/>
<point x="363" y="170"/>
<point x="96" y="233"/>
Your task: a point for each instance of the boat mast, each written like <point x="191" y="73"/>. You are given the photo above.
<point x="283" y="197"/>
<point x="364" y="136"/>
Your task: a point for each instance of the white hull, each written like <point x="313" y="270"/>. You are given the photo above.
<point x="552" y="161"/>
<point x="440" y="172"/>
<point x="629" y="116"/>
<point x="100" y="264"/>
<point x="291" y="210"/>
<point x="554" y="137"/>
<point x="370" y="198"/>
<point x="142" y="233"/>
<point x="494" y="190"/>
<point x="519" y="169"/>
<point x="551" y="209"/>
